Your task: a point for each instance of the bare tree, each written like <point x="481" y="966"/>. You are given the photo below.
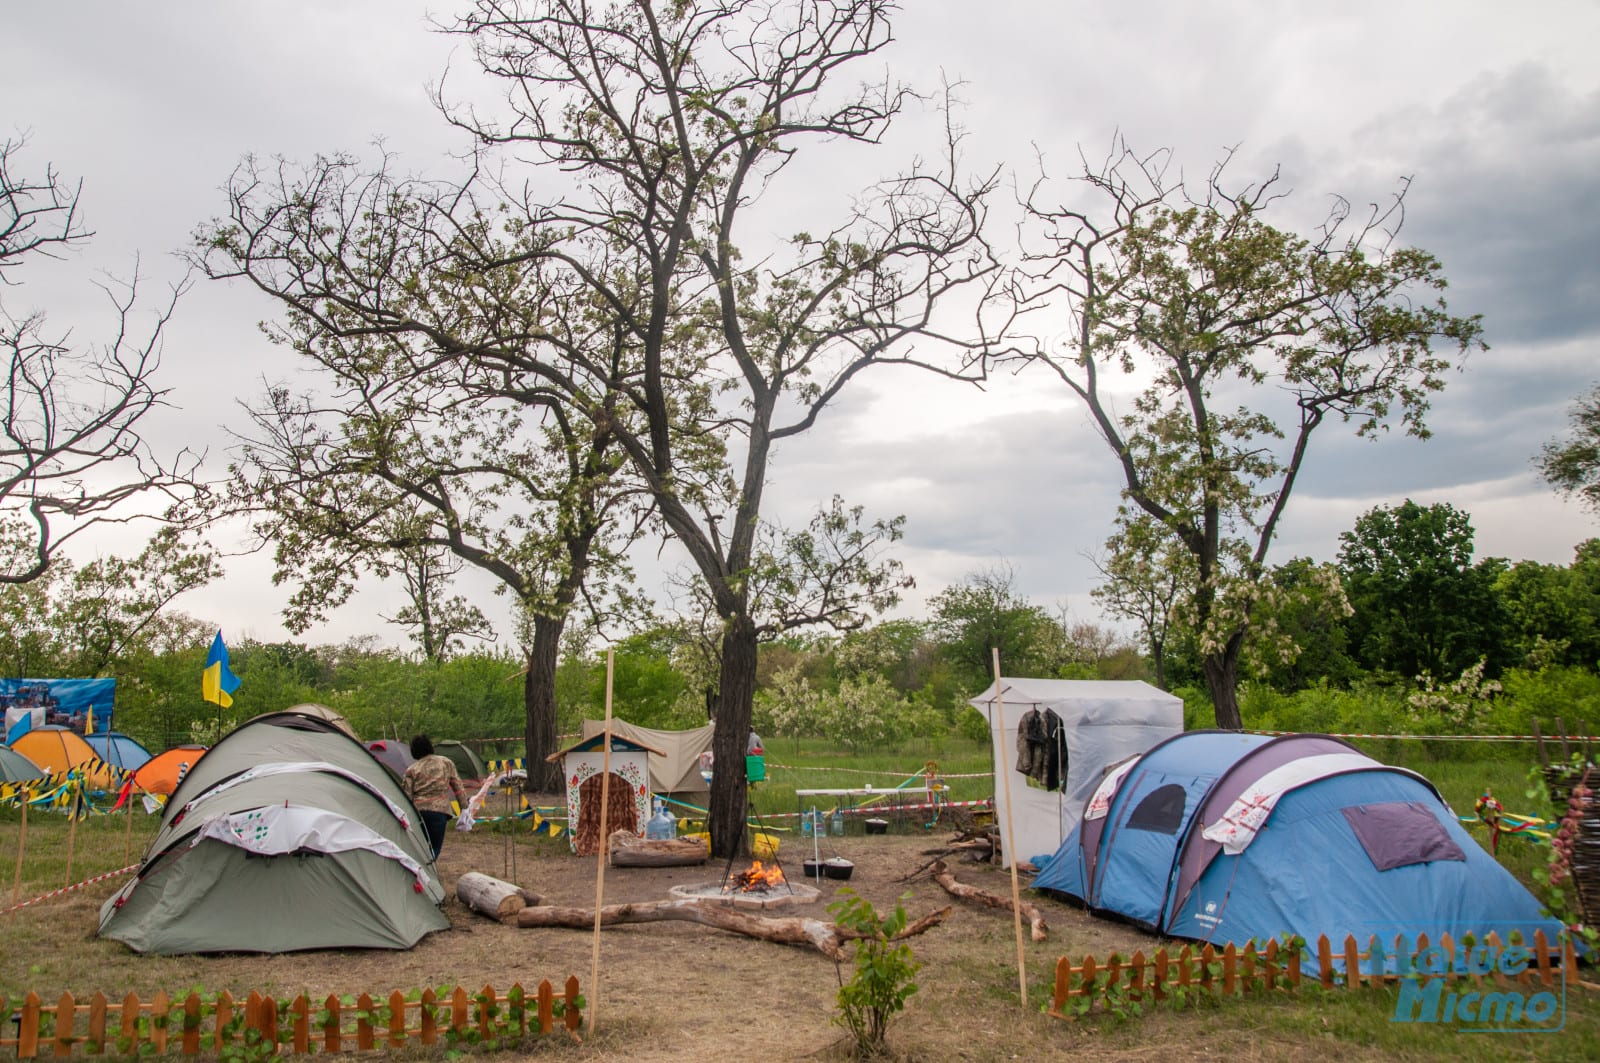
<point x="666" y="126"/>
<point x="71" y="452"/>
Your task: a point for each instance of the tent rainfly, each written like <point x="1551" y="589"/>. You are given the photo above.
<point x="162" y="772"/>
<point x="1221" y="836"/>
<point x="14" y="767"/>
<point x="57" y="749"/>
<point x="118" y="750"/>
<point x="628" y="800"/>
<point x="675" y="769"/>
<point x="1084" y="727"/>
<point x="286" y="835"/>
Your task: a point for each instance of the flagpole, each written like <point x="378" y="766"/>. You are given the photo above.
<point x="1011" y="838"/>
<point x="600" y="874"/>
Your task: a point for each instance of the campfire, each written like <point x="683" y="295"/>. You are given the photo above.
<point x="755" y="878"/>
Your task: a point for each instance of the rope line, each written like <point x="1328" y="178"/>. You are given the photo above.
<point x="69" y="889"/>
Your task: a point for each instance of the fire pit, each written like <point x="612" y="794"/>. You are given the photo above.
<point x="758" y="887"/>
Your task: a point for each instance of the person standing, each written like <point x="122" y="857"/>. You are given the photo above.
<point x="431" y="782"/>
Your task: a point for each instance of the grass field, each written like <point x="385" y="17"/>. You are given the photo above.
<point x="970" y="983"/>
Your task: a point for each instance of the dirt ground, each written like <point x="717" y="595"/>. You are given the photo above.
<point x="667" y="991"/>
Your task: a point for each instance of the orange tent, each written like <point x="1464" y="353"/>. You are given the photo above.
<point x="56" y="749"/>
<point x="159" y="774"/>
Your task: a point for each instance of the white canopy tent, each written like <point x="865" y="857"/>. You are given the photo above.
<point x="1102" y="721"/>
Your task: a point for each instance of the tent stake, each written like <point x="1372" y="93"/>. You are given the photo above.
<point x="600" y="874"/>
<point x="1011" y="838"/>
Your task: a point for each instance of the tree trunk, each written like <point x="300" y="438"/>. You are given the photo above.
<point x="539" y="706"/>
<point x="735" y="703"/>
<point x="1222" y="679"/>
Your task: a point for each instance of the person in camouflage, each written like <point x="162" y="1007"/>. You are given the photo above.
<point x="431" y="782"/>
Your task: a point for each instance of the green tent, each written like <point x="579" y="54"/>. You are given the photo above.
<point x="468" y="764"/>
<point x="14" y="767"/>
<point x="286" y="835"/>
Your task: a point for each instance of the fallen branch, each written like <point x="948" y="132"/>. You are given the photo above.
<point x="943" y="876"/>
<point x="827" y="938"/>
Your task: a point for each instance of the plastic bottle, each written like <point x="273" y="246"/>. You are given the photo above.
<point x="836" y="824"/>
<point x="808" y="821"/>
<point x="662" y="825"/>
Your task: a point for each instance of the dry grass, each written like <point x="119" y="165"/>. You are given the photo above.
<point x="675" y="991"/>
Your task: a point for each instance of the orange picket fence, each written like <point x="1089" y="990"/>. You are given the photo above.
<point x="192" y="1025"/>
<point x="1230" y="970"/>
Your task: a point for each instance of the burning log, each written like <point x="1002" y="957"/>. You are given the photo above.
<point x="630" y="850"/>
<point x="943" y="876"/>
<point x="827" y="938"/>
<point x="492" y="897"/>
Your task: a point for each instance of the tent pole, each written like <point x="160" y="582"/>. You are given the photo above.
<point x="600" y="873"/>
<point x="1011" y="838"/>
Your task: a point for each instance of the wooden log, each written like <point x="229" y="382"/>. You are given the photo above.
<point x="1038" y="930"/>
<point x="630" y="850"/>
<point x="827" y="938"/>
<point x="490" y="896"/>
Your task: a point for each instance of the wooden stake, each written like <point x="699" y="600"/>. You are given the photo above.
<point x="22" y="845"/>
<point x="1011" y="838"/>
<point x="600" y="874"/>
<point x="127" y="840"/>
<point x="72" y="828"/>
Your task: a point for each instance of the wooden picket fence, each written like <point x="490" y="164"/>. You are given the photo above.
<point x="264" y="1025"/>
<point x="1230" y="970"/>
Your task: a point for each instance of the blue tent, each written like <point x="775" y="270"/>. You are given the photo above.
<point x="1220" y="836"/>
<point x="118" y="749"/>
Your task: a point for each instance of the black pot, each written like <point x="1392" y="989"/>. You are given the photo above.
<point x="838" y="867"/>
<point x="812" y="868"/>
<point x="877" y="826"/>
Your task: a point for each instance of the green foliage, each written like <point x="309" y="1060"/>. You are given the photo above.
<point x="985" y="612"/>
<point x="884" y="972"/>
<point x="1572" y="464"/>
<point x="1420" y="603"/>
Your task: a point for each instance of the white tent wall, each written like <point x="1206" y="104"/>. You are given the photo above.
<point x="1105" y="721"/>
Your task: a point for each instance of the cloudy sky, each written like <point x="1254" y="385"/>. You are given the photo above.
<point x="1493" y="112"/>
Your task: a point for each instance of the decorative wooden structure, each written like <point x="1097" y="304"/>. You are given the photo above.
<point x="195" y="1026"/>
<point x="1230" y="970"/>
<point x="582" y="765"/>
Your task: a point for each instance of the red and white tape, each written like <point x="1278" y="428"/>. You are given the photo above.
<point x="68" y="889"/>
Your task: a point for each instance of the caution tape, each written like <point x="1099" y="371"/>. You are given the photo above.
<point x="1453" y="738"/>
<point x="873" y="810"/>
<point x="68" y="889"/>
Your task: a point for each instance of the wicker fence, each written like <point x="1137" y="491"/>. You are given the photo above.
<point x="1230" y="970"/>
<point x="262" y="1025"/>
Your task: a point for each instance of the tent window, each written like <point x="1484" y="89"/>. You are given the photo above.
<point x="1401" y="833"/>
<point x="1161" y="810"/>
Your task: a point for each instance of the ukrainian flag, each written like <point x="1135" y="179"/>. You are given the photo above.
<point x="217" y="682"/>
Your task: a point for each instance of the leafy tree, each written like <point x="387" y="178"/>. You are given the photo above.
<point x="1554" y="610"/>
<point x="983" y="613"/>
<point x="1297" y="629"/>
<point x="640" y="297"/>
<point x="72" y="456"/>
<point x="1572" y="464"/>
<point x="1420" y="605"/>
<point x="1146" y="572"/>
<point x="1241" y="340"/>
